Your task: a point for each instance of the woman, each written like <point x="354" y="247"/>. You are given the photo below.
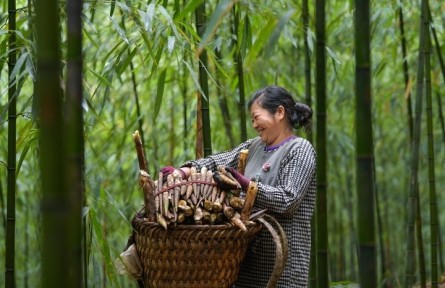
<point x="284" y="166"/>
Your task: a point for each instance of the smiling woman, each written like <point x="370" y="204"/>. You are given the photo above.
<point x="283" y="165"/>
<point x="275" y="114"/>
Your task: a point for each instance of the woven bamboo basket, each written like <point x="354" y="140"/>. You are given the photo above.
<point x="198" y="256"/>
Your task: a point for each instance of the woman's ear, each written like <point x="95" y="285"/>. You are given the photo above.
<point x="280" y="112"/>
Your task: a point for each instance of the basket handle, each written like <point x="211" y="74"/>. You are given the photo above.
<point x="281" y="247"/>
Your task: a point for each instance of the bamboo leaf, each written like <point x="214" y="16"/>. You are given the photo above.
<point x="333" y="55"/>
<point x="148" y="17"/>
<point x="188" y="9"/>
<point x="30" y="68"/>
<point x="195" y="78"/>
<point x="28" y="138"/>
<point x="159" y="93"/>
<point x="110" y="54"/>
<point x="171" y="44"/>
<point x="263" y="36"/>
<point x="87" y="33"/>
<point x="23" y="38"/>
<point x="221" y="10"/>
<point x="102" y="79"/>
<point x="18" y="65"/>
<point x="127" y="57"/>
<point x="113" y="4"/>
<point x="169" y="20"/>
<point x="115" y="205"/>
<point x="96" y="114"/>
<point x="85" y="211"/>
<point x="124" y="7"/>
<point x="93" y="10"/>
<point x="310" y="39"/>
<point x="3" y="45"/>
<point x="277" y="31"/>
<point x="148" y="44"/>
<point x="379" y="69"/>
<point x="103" y="245"/>
<point x="128" y="60"/>
<point x="156" y="62"/>
<point x="22" y="157"/>
<point x="246" y="39"/>
<point x="119" y="30"/>
<point x="218" y="43"/>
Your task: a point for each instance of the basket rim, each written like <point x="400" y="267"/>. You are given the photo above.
<point x="144" y="222"/>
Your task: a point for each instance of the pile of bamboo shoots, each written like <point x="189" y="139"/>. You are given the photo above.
<point x="198" y="200"/>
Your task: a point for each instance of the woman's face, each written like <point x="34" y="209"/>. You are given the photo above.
<point x="265" y="123"/>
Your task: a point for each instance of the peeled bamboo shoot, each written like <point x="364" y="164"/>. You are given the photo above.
<point x="242" y="160"/>
<point x="251" y="192"/>
<point x="196" y="200"/>
<point x="237" y="221"/>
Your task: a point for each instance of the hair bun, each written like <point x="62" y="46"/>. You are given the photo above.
<point x="304" y="113"/>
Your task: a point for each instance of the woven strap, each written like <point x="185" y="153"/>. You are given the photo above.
<point x="281" y="247"/>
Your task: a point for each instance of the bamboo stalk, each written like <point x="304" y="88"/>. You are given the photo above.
<point x="240" y="73"/>
<point x="222" y="98"/>
<point x="75" y="146"/>
<point x="26" y="249"/>
<point x="185" y="112"/>
<point x="437" y="45"/>
<point x="308" y="97"/>
<point x="135" y="92"/>
<point x="307" y="61"/>
<point x="321" y="148"/>
<point x="431" y="170"/>
<point x="441" y="117"/>
<point x="54" y="203"/>
<point x="442" y="68"/>
<point x="2" y="206"/>
<point x="413" y="193"/>
<point x="12" y="133"/>
<point x="364" y="147"/>
<point x="419" y="242"/>
<point x="406" y="72"/>
<point x="203" y="81"/>
<point x="136" y="99"/>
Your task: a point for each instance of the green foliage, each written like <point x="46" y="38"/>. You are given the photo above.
<point x="162" y="44"/>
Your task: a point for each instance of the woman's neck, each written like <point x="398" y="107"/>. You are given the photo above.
<point x="279" y="142"/>
<point x="282" y="136"/>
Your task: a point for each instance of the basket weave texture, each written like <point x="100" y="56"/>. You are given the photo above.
<point x="198" y="256"/>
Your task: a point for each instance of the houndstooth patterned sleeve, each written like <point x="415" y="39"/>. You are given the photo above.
<point x="295" y="174"/>
<point x="227" y="158"/>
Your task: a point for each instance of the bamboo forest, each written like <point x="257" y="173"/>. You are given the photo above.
<point x="78" y="78"/>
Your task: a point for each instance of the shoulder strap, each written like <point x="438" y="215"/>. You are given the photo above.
<point x="281" y="247"/>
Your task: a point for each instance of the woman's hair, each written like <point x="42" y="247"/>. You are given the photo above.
<point x="271" y="97"/>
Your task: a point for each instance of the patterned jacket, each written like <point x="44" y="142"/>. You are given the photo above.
<point x="287" y="186"/>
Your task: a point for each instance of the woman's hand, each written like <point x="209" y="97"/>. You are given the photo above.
<point x="243" y="181"/>
<point x="233" y="181"/>
<point x="167" y="170"/>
